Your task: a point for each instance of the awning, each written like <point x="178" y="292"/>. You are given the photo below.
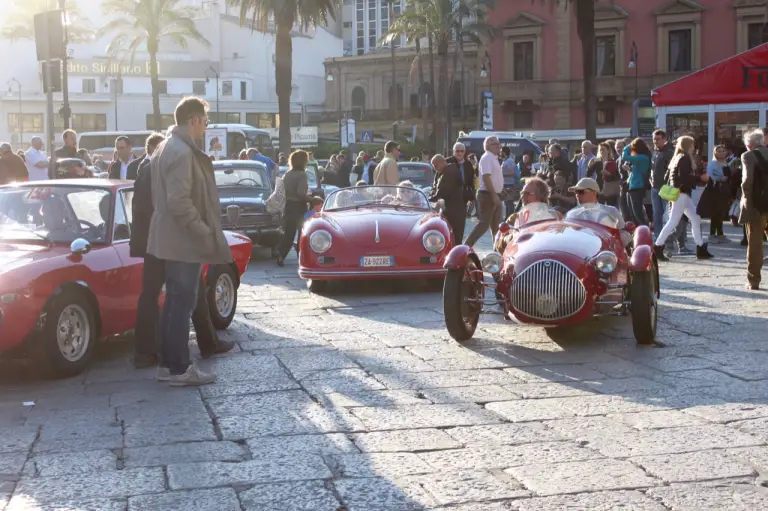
<point x="742" y="78"/>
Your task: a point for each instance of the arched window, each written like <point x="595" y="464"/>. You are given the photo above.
<point x="358" y="98"/>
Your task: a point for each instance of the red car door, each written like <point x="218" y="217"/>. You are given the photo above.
<point x="127" y="278"/>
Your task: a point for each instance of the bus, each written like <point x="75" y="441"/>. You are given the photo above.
<point x="516" y="142"/>
<point x="102" y="143"/>
<point x="225" y="141"/>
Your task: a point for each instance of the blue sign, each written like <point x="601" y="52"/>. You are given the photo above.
<point x="366" y="137"/>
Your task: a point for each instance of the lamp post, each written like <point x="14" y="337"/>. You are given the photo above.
<point x="21" y="119"/>
<point x="486" y="72"/>
<point x="330" y="78"/>
<point x="633" y="56"/>
<point x="66" y="111"/>
<point x="216" y="74"/>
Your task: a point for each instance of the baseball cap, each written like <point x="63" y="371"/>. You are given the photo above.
<point x="586" y="184"/>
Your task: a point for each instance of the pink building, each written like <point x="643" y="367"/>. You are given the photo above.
<point x="536" y="65"/>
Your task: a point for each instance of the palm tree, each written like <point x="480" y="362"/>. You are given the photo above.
<point x="285" y="14"/>
<point x="19" y="20"/>
<point x="144" y="24"/>
<point x="443" y="20"/>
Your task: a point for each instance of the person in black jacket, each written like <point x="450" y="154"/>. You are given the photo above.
<point x="146" y="349"/>
<point x="682" y="175"/>
<point x="449" y="187"/>
<point x="662" y="154"/>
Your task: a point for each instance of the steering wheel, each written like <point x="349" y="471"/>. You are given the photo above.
<point x="256" y="183"/>
<point x="86" y="223"/>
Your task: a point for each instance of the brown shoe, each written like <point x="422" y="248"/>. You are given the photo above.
<point x="753" y="287"/>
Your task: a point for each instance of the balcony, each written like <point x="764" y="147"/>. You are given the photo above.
<point x="385" y="115"/>
<point x="519" y="91"/>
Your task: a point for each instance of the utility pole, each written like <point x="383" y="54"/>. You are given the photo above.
<point x="66" y="112"/>
<point x="216" y="74"/>
<point x="49" y="117"/>
<point x="21" y="117"/>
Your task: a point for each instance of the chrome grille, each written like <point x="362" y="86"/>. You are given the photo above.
<point x="547" y="291"/>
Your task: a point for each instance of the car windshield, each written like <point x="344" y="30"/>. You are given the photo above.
<point x="377" y="196"/>
<point x="311" y="175"/>
<point x="59" y="214"/>
<point x="246" y="177"/>
<point x="419" y="175"/>
<point x="596" y="214"/>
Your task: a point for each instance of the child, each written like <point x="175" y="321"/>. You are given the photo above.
<point x="315" y="207"/>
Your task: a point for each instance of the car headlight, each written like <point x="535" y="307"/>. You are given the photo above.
<point x="320" y="241"/>
<point x="605" y="262"/>
<point x="433" y="241"/>
<point x="492" y="262"/>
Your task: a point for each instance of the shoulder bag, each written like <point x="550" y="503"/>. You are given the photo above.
<point x="276" y="202"/>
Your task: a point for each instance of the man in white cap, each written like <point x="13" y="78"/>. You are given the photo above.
<point x="586" y="191"/>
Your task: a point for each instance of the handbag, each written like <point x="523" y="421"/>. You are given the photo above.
<point x="276" y="202"/>
<point x="669" y="193"/>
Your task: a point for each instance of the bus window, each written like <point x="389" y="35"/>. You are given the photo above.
<point x="235" y="142"/>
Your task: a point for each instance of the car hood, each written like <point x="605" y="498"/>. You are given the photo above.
<point x="249" y="199"/>
<point x="575" y="238"/>
<point x="18" y="260"/>
<point x="361" y="227"/>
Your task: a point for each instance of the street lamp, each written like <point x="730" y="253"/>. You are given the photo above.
<point x="207" y="80"/>
<point x="633" y="56"/>
<point x="329" y="78"/>
<point x="21" y="120"/>
<point x="486" y="72"/>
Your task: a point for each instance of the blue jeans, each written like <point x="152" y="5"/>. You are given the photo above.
<point x="659" y="206"/>
<point x="181" y="282"/>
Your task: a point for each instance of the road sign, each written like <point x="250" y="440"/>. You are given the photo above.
<point x="366" y="137"/>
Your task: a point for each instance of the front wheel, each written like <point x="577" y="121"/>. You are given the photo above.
<point x="462" y="302"/>
<point x="317" y="286"/>
<point x="644" y="305"/>
<point x="68" y="335"/>
<point x="221" y="294"/>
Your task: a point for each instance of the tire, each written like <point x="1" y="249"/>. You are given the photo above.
<point x="68" y="337"/>
<point x="644" y="306"/>
<point x="317" y="286"/>
<point x="460" y="317"/>
<point x="221" y="295"/>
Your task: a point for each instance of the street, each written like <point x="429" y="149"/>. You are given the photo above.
<point x="359" y="401"/>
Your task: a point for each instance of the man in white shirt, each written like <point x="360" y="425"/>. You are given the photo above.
<point x="37" y="161"/>
<point x="491" y="185"/>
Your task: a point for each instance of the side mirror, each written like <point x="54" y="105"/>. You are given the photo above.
<point x="80" y="247"/>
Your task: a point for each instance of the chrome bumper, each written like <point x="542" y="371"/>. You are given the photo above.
<point x="329" y="274"/>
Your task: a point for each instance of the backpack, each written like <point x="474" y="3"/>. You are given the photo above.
<point x="276" y="202"/>
<point x="760" y="183"/>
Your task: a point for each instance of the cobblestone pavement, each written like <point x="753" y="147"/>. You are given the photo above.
<point x="358" y="401"/>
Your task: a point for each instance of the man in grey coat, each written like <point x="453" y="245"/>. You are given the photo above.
<point x="185" y="232"/>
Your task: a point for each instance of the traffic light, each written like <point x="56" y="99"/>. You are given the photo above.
<point x="49" y="35"/>
<point x="54" y="71"/>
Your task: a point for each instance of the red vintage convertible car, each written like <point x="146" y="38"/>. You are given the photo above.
<point x="372" y="232"/>
<point x="557" y="273"/>
<point x="67" y="277"/>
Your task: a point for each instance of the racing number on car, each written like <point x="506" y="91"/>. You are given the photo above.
<point x="39" y="194"/>
<point x="526" y="216"/>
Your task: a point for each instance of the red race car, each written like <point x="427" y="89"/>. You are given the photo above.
<point x="557" y="273"/>
<point x="370" y="232"/>
<point x="67" y="277"/>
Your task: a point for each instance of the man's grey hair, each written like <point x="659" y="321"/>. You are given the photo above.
<point x="438" y="158"/>
<point x="489" y="140"/>
<point x="459" y="145"/>
<point x="754" y="138"/>
<point x="540" y="188"/>
<point x="5" y="147"/>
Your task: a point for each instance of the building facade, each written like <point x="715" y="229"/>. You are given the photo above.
<point x="365" y="22"/>
<point x="537" y="66"/>
<point x="235" y="74"/>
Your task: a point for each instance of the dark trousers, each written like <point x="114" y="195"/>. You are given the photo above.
<point x="293" y="217"/>
<point x="756" y="230"/>
<point x="455" y="216"/>
<point x="635" y="200"/>
<point x="489" y="216"/>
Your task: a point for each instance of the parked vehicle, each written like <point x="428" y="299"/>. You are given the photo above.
<point x="102" y="143"/>
<point x="243" y="187"/>
<point x="224" y="141"/>
<point x="557" y="274"/>
<point x="315" y="188"/>
<point x="421" y="174"/>
<point x="373" y="232"/>
<point x="518" y="144"/>
<point x="67" y="277"/>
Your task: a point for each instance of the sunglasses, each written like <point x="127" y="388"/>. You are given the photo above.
<point x="582" y="192"/>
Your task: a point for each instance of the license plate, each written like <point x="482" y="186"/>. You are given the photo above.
<point x="376" y="261"/>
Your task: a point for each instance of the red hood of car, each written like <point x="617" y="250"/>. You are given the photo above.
<point x="578" y="239"/>
<point x="360" y="226"/>
<point x="14" y="255"/>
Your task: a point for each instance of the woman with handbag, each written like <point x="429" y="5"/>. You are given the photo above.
<point x="681" y="179"/>
<point x="296" y="199"/>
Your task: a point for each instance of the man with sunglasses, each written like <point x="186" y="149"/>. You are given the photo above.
<point x="589" y="209"/>
<point x="466" y="169"/>
<point x="185" y="232"/>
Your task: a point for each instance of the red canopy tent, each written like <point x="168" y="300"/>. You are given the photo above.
<point x="742" y="78"/>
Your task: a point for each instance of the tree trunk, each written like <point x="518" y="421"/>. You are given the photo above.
<point x="461" y="81"/>
<point x="585" y="26"/>
<point x="432" y="105"/>
<point x="156" y="119"/>
<point x="442" y="53"/>
<point x="422" y="103"/>
<point x="283" y="79"/>
<point x="395" y="98"/>
<point x="451" y="94"/>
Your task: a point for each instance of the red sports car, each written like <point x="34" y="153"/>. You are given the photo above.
<point x="370" y="232"/>
<point x="557" y="273"/>
<point x="67" y="277"/>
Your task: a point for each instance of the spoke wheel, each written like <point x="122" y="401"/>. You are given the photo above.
<point x="462" y="302"/>
<point x="645" y="305"/>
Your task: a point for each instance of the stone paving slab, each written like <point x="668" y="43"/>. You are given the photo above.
<point x="187" y="452"/>
<point x="108" y="484"/>
<point x="631" y="500"/>
<point x="733" y="497"/>
<point x="693" y="466"/>
<point x="25" y="503"/>
<point x="405" y="440"/>
<point x="217" y="499"/>
<point x="299" y="496"/>
<point x="84" y="462"/>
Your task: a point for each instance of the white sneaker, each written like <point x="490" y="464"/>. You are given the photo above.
<point x="163" y="374"/>
<point x="192" y="377"/>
